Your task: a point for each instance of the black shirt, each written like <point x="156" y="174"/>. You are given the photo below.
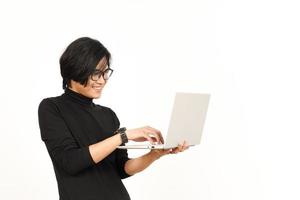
<point x="69" y="124"/>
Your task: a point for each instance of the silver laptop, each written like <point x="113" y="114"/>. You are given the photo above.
<point x="186" y="123"/>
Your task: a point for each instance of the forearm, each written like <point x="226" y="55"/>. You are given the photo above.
<point x="136" y="165"/>
<point x="102" y="149"/>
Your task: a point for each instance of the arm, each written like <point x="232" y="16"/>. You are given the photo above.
<point x="102" y="149"/>
<point x="62" y="147"/>
<point x="64" y="151"/>
<point x="136" y="165"/>
<point x="126" y="166"/>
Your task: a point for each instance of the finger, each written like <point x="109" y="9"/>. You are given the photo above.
<point x="141" y="139"/>
<point x="181" y="146"/>
<point x="171" y="151"/>
<point x="149" y="138"/>
<point x="161" y="139"/>
<point x="186" y="146"/>
<point x="165" y="151"/>
<point x="175" y="150"/>
<point x="154" y="135"/>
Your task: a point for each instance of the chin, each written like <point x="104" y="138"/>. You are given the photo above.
<point x="94" y="94"/>
<point x="97" y="96"/>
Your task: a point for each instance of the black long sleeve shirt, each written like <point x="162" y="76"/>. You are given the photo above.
<point x="69" y="124"/>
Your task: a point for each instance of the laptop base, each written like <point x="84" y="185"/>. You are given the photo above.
<point x="154" y="146"/>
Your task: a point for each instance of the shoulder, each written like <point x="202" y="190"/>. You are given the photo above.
<point x="49" y="103"/>
<point x="107" y="110"/>
<point x="104" y="109"/>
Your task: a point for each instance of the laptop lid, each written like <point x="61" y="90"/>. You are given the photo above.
<point x="187" y="119"/>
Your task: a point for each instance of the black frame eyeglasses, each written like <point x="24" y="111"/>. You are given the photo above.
<point x="98" y="73"/>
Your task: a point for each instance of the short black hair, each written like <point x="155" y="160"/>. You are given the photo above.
<point x="80" y="59"/>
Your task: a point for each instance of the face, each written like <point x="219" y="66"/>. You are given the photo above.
<point x="93" y="89"/>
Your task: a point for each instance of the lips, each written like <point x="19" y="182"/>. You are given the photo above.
<point x="97" y="88"/>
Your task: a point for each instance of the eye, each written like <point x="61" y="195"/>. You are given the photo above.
<point x="97" y="72"/>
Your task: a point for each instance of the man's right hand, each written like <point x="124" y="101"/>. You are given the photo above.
<point x="145" y="133"/>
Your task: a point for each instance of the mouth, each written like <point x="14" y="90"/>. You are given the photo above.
<point x="97" y="88"/>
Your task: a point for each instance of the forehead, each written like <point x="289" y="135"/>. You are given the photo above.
<point x="102" y="64"/>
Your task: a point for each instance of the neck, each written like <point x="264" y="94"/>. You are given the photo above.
<point x="76" y="96"/>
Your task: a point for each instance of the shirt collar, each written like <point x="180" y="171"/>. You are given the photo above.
<point x="77" y="97"/>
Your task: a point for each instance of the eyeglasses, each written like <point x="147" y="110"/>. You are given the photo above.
<point x="98" y="73"/>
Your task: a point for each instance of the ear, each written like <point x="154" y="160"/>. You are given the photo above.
<point x="73" y="84"/>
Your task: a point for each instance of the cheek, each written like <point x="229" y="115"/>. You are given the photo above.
<point x="88" y="88"/>
<point x="90" y="85"/>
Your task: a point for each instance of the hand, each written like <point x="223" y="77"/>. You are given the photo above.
<point x="161" y="152"/>
<point x="180" y="148"/>
<point x="145" y="133"/>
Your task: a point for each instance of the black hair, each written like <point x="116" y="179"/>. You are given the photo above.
<point x="80" y="59"/>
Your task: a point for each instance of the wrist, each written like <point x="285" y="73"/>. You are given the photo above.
<point x="154" y="154"/>
<point x="127" y="132"/>
<point x="122" y="134"/>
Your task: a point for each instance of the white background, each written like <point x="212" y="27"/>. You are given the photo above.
<point x="245" y="53"/>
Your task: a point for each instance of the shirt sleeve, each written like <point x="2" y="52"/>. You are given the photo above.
<point x="62" y="147"/>
<point x="121" y="154"/>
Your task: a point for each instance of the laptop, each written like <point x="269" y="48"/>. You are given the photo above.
<point x="186" y="122"/>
